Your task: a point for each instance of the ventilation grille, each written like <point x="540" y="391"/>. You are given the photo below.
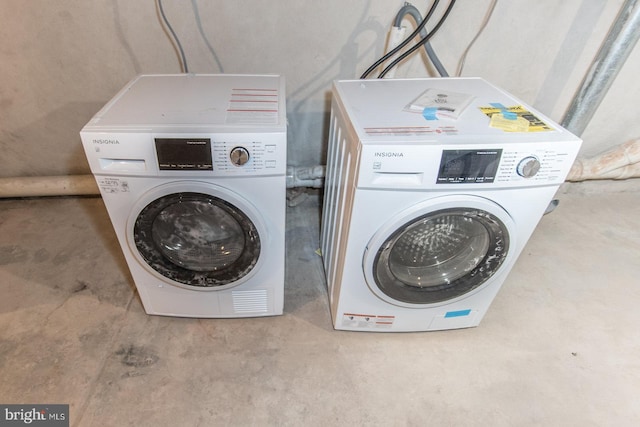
<point x="335" y="157"/>
<point x="251" y="301"/>
<point x="336" y="205"/>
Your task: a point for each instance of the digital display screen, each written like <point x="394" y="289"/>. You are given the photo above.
<point x="184" y="153"/>
<point x="468" y="166"/>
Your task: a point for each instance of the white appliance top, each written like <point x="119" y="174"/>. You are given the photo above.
<point x="224" y="102"/>
<point x="205" y="125"/>
<point x="378" y="110"/>
<point x="494" y="140"/>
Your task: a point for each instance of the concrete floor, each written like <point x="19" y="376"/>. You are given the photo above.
<point x="559" y="346"/>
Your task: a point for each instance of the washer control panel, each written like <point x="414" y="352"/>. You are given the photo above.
<point x="536" y="165"/>
<point x="487" y="166"/>
<point x="245" y="156"/>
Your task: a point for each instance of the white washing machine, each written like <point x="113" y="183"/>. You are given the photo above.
<point x="424" y="216"/>
<point x="192" y="171"/>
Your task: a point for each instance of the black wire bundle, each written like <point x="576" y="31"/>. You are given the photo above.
<point x="406" y="41"/>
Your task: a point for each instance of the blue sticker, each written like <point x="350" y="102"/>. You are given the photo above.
<point x="458" y="313"/>
<point x="429" y="113"/>
<point x="509" y="115"/>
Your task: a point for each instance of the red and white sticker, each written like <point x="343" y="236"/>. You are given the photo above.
<point x="411" y="130"/>
<point x="356" y="320"/>
<point x="253" y="106"/>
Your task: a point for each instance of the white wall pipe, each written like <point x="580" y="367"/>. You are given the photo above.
<point x="305" y="176"/>
<point x="621" y="162"/>
<point x="625" y="172"/>
<point x="83" y="185"/>
<point x="75" y="185"/>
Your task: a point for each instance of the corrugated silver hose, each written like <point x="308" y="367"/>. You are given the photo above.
<point x="621" y="162"/>
<point x="605" y="67"/>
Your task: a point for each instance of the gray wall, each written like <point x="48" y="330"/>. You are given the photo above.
<point x="60" y="61"/>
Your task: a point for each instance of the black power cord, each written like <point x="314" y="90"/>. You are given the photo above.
<point x="411" y="10"/>
<point x="421" y="42"/>
<point x="404" y="42"/>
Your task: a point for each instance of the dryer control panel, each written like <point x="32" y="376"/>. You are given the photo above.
<point x="202" y="154"/>
<point x="195" y="155"/>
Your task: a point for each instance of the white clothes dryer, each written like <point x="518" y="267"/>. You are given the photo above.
<point x="192" y="171"/>
<point x="424" y="215"/>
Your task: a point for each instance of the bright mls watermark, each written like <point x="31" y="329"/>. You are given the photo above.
<point x="34" y="415"/>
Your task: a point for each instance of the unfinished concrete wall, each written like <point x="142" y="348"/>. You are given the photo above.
<point x="61" y="61"/>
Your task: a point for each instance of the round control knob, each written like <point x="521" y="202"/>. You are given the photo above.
<point x="239" y="156"/>
<point x="528" y="167"/>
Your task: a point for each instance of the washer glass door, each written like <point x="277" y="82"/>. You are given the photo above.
<point x="440" y="255"/>
<point x="197" y="239"/>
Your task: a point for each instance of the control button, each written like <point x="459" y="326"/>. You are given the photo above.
<point x="239" y="156"/>
<point x="528" y="167"/>
<point x="271" y="148"/>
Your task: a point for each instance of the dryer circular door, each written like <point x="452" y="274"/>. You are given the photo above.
<point x="439" y="250"/>
<point x="196" y="235"/>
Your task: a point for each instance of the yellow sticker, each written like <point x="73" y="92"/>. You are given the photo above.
<point x="519" y="124"/>
<point x="535" y="124"/>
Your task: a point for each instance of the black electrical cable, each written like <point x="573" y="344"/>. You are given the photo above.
<point x="421" y="42"/>
<point x="411" y="10"/>
<point x="404" y="42"/>
<point x="185" y="68"/>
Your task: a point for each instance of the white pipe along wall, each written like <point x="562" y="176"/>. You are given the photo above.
<point x="85" y="185"/>
<point x="620" y="162"/>
<point x="74" y="185"/>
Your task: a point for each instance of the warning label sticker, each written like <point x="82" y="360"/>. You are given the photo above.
<point x="535" y="124"/>
<point x="354" y="320"/>
<point x="113" y="185"/>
